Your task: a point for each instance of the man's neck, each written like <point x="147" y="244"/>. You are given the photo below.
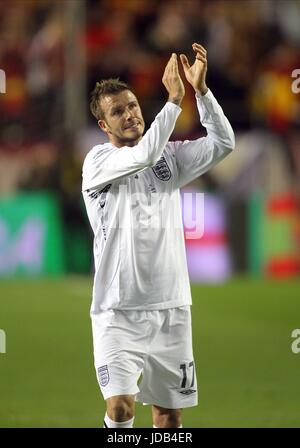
<point x="120" y="144"/>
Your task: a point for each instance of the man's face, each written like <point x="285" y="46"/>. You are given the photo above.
<point x="123" y="121"/>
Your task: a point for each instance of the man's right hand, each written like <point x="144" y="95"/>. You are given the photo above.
<point x="172" y="81"/>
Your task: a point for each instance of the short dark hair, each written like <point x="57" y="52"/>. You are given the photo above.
<point x="109" y="86"/>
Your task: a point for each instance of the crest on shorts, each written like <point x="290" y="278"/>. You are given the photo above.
<point x="103" y="376"/>
<point x="162" y="170"/>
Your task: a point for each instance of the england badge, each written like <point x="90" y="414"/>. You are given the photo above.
<point x="103" y="375"/>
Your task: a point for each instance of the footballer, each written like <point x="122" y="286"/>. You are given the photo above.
<point x="140" y="313"/>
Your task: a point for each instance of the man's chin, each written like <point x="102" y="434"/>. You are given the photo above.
<point x="132" y="134"/>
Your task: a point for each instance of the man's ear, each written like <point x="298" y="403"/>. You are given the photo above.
<point x="103" y="126"/>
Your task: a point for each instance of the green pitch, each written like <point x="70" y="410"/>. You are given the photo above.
<point x="247" y="373"/>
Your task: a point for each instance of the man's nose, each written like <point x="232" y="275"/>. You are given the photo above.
<point x="128" y="114"/>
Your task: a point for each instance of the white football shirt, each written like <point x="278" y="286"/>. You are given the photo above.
<point x="132" y="200"/>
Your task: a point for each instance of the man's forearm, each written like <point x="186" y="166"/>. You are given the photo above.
<point x="154" y="141"/>
<point x="213" y="119"/>
<point x="202" y="90"/>
<point x="175" y="100"/>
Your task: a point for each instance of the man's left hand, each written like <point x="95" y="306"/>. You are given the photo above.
<point x="196" y="74"/>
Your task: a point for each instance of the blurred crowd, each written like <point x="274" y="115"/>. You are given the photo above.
<point x="253" y="47"/>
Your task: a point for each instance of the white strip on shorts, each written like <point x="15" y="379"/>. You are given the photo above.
<point x="147" y="354"/>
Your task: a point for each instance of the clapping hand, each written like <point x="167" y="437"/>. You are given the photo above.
<point x="172" y="81"/>
<point x="196" y="73"/>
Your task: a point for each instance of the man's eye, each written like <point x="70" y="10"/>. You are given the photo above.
<point x="117" y="112"/>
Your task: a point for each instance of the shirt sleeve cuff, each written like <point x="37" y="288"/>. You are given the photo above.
<point x="207" y="95"/>
<point x="207" y="104"/>
<point x="173" y="105"/>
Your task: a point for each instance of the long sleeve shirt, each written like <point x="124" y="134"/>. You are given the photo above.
<point x="132" y="199"/>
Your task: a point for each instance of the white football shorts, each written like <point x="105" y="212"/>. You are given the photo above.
<point x="147" y="354"/>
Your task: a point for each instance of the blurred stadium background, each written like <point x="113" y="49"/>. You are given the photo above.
<point x="245" y="269"/>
